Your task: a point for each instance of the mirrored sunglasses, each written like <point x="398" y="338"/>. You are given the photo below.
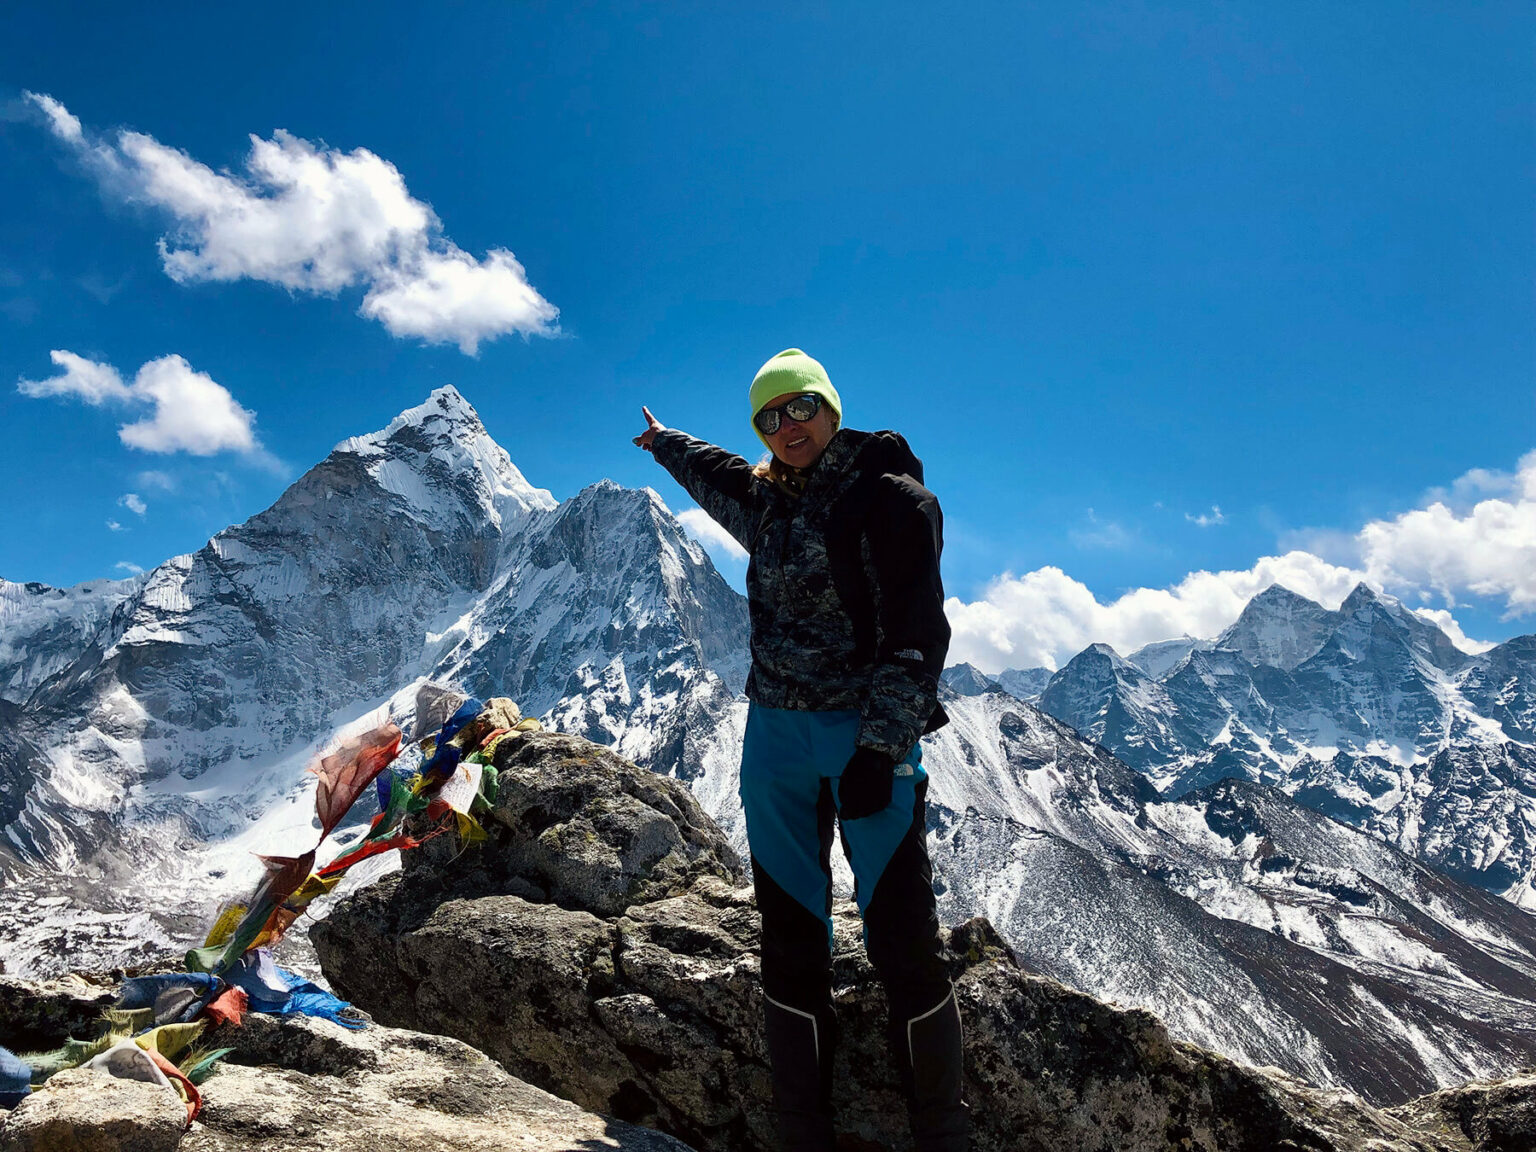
<point x="797" y="408"/>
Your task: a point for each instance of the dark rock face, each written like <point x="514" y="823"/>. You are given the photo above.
<point x="39" y="1016"/>
<point x="651" y="1012"/>
<point x="1498" y="1116"/>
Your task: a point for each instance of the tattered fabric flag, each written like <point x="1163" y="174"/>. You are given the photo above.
<point x="184" y="1086"/>
<point x="400" y="802"/>
<point x="276" y="927"/>
<point x="202" y="1068"/>
<point x="348" y="771"/>
<point x="175" y="998"/>
<point x="126" y="1060"/>
<point x="71" y="1054"/>
<point x="171" y="1040"/>
<point x="229" y="1007"/>
<point x="284" y="875"/>
<point x="440" y="767"/>
<point x="468" y="712"/>
<point x="231" y="912"/>
<point x="338" y="867"/>
<point x="312" y="889"/>
<point x="279" y="992"/>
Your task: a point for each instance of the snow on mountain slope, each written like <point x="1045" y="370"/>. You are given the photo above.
<point x="167" y="722"/>
<point x="43" y="629"/>
<point x="1369" y="714"/>
<point x="187" y="714"/>
<point x="1245" y="921"/>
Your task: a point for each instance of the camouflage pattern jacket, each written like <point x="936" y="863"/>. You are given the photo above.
<point x="843" y="586"/>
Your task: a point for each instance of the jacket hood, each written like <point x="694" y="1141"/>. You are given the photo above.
<point x="886" y="451"/>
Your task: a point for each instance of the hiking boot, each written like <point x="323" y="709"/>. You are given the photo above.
<point x="931" y="1046"/>
<point x="800" y="1046"/>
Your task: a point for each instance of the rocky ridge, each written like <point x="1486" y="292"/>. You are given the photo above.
<point x="297" y="1084"/>
<point x="594" y="961"/>
<point x="648" y="1008"/>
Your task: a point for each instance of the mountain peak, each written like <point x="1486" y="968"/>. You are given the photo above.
<point x="443" y="412"/>
<point x="1362" y="595"/>
<point x="1279" y="594"/>
<point x="441" y="447"/>
<point x="967" y="679"/>
<point x="1279" y="628"/>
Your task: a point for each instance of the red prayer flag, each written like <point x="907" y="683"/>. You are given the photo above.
<point x="350" y="769"/>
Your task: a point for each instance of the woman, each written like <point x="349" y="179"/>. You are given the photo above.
<point x="848" y="638"/>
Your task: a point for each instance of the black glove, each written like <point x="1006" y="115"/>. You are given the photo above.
<point x="866" y="784"/>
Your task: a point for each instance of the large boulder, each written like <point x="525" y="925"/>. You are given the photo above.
<point x="637" y="994"/>
<point x="38" y="1015"/>
<point x="307" y="1085"/>
<point x="83" y="1110"/>
<point x="300" y="1084"/>
<point x="1491" y="1116"/>
<point x="577" y="826"/>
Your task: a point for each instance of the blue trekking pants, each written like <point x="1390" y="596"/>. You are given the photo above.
<point x="790" y="765"/>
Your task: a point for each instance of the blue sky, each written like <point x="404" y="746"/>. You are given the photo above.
<point x="1173" y="300"/>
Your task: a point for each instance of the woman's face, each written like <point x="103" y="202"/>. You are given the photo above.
<point x="801" y="445"/>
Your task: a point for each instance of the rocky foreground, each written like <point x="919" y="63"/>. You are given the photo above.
<point x="595" y="965"/>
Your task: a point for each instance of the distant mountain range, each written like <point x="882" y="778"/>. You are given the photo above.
<point x="1369" y="714"/>
<point x="155" y="731"/>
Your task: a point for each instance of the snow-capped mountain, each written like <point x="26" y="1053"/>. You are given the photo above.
<point x="967" y="680"/>
<point x="154" y="732"/>
<point x="1369" y="714"/>
<point x="145" y="720"/>
<point x="1249" y="923"/>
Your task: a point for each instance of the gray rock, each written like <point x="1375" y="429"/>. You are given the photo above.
<point x="39" y="1015"/>
<point x="302" y="1084"/>
<point x="307" y="1085"/>
<point x="88" y="1111"/>
<point x="577" y="826"/>
<point x="652" y="1012"/>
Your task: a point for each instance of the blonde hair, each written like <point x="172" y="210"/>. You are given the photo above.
<point x="785" y="476"/>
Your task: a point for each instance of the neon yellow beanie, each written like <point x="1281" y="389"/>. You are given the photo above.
<point x="791" y="371"/>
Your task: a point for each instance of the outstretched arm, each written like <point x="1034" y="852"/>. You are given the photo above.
<point x="719" y="481"/>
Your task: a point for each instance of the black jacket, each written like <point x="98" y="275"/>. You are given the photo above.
<point x="843" y="586"/>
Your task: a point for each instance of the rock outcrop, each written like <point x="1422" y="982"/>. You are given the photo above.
<point x="298" y="1084"/>
<point x="632" y="989"/>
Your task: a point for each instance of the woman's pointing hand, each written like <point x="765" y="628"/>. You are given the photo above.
<point x="653" y="426"/>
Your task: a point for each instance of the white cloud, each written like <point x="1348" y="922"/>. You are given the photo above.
<point x="156" y="480"/>
<point x="1045" y="617"/>
<point x="129" y="567"/>
<point x="192" y="412"/>
<point x="114" y="526"/>
<point x="189" y="411"/>
<point x="1207" y="519"/>
<point x="452" y="296"/>
<point x="84" y="379"/>
<point x="1448" y="624"/>
<point x="134" y="503"/>
<point x="60" y="122"/>
<point x="315" y="219"/>
<point x="1489" y="550"/>
<point x="1476" y="538"/>
<point x="708" y="532"/>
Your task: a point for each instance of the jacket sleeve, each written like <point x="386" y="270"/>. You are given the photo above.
<point x="906" y="534"/>
<point x="720" y="482"/>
